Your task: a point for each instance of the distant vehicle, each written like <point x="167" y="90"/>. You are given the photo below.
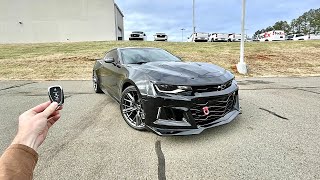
<point x="234" y="37"/>
<point x="289" y="37"/>
<point x="160" y="37"/>
<point x="199" y="37"/>
<point x="223" y="37"/>
<point x="248" y="39"/>
<point x="298" y="37"/>
<point x="138" y="35"/>
<point x="277" y="35"/>
<point x="314" y="36"/>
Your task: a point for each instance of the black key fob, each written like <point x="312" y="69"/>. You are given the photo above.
<point x="56" y="94"/>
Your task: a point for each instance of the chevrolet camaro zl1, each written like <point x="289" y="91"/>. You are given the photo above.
<point x="159" y="92"/>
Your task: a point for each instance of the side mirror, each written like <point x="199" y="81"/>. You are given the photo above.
<point x="109" y="60"/>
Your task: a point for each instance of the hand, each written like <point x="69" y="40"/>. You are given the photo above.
<point x="35" y="123"/>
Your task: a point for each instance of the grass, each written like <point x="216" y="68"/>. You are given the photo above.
<point x="74" y="61"/>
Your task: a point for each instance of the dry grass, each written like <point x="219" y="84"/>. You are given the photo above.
<point x="67" y="61"/>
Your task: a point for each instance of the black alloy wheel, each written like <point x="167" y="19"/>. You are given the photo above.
<point x="132" y="109"/>
<point x="96" y="85"/>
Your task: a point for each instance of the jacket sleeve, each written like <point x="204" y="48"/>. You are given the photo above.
<point x="18" y="162"/>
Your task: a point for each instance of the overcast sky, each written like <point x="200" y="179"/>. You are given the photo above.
<point x="169" y="16"/>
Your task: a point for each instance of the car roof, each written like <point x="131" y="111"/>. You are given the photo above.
<point x="137" y="48"/>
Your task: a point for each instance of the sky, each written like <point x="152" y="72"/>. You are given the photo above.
<point x="170" y="16"/>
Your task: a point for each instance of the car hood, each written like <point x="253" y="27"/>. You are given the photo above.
<point x="184" y="73"/>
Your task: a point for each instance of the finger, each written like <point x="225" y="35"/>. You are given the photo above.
<point x="54" y="114"/>
<point x="40" y="107"/>
<point x="50" y="109"/>
<point x="60" y="108"/>
<point x="53" y="120"/>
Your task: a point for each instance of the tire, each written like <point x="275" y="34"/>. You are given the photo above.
<point x="96" y="83"/>
<point x="212" y="40"/>
<point x="132" y="109"/>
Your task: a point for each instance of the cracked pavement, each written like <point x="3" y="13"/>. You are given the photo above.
<point x="276" y="136"/>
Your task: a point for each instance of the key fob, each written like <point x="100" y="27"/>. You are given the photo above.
<point x="56" y="94"/>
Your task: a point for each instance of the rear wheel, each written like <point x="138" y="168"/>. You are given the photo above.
<point x="132" y="108"/>
<point x="96" y="85"/>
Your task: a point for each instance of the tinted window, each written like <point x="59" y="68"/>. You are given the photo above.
<point x="135" y="55"/>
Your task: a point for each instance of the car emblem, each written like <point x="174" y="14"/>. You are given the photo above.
<point x="206" y="110"/>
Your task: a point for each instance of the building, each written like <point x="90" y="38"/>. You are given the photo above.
<point x="37" y="21"/>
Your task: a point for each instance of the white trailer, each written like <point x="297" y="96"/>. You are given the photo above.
<point x="199" y="37"/>
<point x="234" y="37"/>
<point x="223" y="37"/>
<point x="277" y="35"/>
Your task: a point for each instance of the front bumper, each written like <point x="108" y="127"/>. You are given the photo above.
<point x="184" y="115"/>
<point x="136" y="38"/>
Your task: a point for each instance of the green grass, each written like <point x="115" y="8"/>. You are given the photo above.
<point x="39" y="61"/>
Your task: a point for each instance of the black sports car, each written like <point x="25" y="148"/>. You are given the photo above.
<point x="159" y="92"/>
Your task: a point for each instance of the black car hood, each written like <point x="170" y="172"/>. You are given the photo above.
<point x="184" y="73"/>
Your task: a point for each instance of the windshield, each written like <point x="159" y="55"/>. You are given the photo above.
<point x="144" y="55"/>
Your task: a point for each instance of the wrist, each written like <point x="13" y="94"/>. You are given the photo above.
<point x="30" y="142"/>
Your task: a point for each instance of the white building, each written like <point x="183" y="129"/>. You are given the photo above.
<point x="36" y="21"/>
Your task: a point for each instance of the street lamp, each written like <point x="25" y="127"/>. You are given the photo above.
<point x="182" y="34"/>
<point x="242" y="66"/>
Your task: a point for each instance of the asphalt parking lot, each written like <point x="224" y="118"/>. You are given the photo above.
<point x="276" y="136"/>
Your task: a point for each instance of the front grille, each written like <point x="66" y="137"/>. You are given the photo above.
<point x="211" y="88"/>
<point x="161" y="36"/>
<point x="135" y="35"/>
<point x="218" y="107"/>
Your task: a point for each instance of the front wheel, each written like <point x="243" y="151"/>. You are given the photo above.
<point x="96" y="85"/>
<point x="132" y="109"/>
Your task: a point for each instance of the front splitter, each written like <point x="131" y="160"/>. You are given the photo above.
<point x="183" y="132"/>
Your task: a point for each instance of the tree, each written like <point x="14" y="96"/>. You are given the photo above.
<point x="307" y="23"/>
<point x="282" y="25"/>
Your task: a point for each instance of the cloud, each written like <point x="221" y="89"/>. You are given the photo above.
<point x="170" y="16"/>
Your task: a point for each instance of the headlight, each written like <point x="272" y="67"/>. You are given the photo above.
<point x="172" y="89"/>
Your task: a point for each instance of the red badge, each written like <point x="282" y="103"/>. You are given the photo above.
<point x="206" y="110"/>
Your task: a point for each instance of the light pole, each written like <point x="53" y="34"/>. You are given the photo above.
<point x="182" y="29"/>
<point x="242" y="66"/>
<point x="193" y="20"/>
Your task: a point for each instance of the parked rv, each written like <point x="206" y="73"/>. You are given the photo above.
<point x="199" y="37"/>
<point x="138" y="35"/>
<point x="277" y="35"/>
<point x="222" y="37"/>
<point x="160" y="37"/>
<point x="234" y="37"/>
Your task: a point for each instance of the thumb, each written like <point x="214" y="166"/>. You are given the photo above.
<point x="50" y="109"/>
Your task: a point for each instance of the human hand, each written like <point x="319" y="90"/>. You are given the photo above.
<point x="35" y="123"/>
